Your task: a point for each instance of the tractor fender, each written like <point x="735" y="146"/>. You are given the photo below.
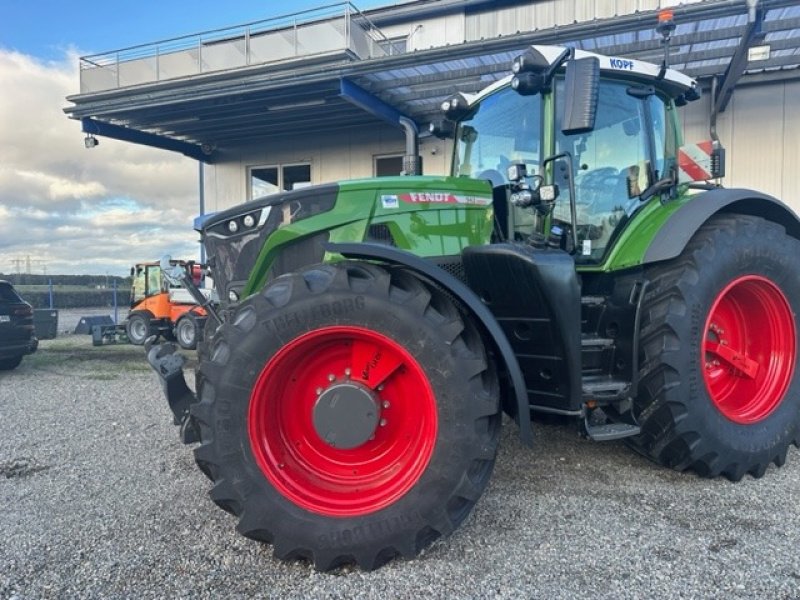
<point x="426" y="268"/>
<point x="673" y="236"/>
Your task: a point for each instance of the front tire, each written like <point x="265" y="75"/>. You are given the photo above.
<point x="348" y="414"/>
<point x="719" y="390"/>
<point x="138" y="328"/>
<point x="186" y="332"/>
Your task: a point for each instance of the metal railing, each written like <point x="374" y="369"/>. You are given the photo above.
<point x="335" y="30"/>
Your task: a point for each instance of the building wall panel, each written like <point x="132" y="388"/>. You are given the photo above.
<point x="544" y="14"/>
<point x="757" y="137"/>
<point x="791" y="145"/>
<point x="759" y="130"/>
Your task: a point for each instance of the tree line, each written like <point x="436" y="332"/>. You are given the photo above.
<point x="84" y="280"/>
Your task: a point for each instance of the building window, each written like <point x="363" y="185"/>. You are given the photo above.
<point x="266" y="180"/>
<point x="394" y="45"/>
<point x="386" y="166"/>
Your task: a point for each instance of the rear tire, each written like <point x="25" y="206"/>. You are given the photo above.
<point x="719" y="390"/>
<point x="351" y="484"/>
<point x="138" y="328"/>
<point x="9" y="364"/>
<point x="187" y="332"/>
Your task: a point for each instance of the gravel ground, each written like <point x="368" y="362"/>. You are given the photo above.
<point x="99" y="499"/>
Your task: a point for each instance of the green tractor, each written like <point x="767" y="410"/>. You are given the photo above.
<point x="579" y="261"/>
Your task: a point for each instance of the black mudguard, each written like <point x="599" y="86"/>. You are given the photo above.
<point x="428" y="269"/>
<point x="670" y="241"/>
<point x="535" y="295"/>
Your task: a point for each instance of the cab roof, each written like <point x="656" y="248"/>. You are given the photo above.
<point x="674" y="83"/>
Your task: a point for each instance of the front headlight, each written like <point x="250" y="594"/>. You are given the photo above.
<point x="234" y="238"/>
<point x="240" y="224"/>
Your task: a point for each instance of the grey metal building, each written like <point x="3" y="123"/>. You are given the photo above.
<point x="321" y="95"/>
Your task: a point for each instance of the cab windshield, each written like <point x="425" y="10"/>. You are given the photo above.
<point x="505" y="128"/>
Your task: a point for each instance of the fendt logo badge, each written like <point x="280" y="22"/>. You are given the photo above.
<point x="391" y="201"/>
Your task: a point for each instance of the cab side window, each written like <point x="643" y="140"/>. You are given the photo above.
<point x="611" y="163"/>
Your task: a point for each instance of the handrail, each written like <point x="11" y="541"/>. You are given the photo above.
<point x="355" y="23"/>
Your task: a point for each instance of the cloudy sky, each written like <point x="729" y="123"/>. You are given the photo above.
<point x="67" y="209"/>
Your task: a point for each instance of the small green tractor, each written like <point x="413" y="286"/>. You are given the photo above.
<point x="579" y="261"/>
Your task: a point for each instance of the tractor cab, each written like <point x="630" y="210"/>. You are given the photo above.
<point x="598" y="135"/>
<point x="147" y="282"/>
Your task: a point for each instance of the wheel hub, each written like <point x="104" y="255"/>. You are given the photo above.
<point x="749" y="350"/>
<point x="346" y="415"/>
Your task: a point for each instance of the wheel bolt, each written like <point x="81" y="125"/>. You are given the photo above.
<point x="386" y="404"/>
<point x="347" y="372"/>
<point x="380" y="388"/>
<point x="383" y="422"/>
<point x="319" y="391"/>
<point x="331" y="377"/>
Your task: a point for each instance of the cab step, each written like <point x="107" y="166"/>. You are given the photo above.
<point x="603" y="387"/>
<point x="593" y="300"/>
<point x="593" y="341"/>
<point x="610" y="431"/>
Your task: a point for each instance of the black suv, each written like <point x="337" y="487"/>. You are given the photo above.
<point x="16" y="328"/>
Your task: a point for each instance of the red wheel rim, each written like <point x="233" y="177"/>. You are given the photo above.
<point x="749" y="350"/>
<point x="300" y="463"/>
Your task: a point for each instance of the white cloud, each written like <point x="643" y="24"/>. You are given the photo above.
<point x="79" y="210"/>
<point x="60" y="188"/>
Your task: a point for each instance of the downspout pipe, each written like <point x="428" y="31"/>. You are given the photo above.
<point x="412" y="161"/>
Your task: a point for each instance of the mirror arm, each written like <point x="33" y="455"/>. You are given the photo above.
<point x="562" y="58"/>
<point x="659" y="186"/>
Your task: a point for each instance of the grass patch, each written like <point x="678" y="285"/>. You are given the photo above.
<point x="75" y="354"/>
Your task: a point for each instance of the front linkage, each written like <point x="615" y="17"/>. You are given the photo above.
<point x="165" y="361"/>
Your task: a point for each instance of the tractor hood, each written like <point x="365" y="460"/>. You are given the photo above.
<point x="253" y="242"/>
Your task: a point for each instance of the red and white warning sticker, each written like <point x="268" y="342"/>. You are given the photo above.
<point x="393" y="200"/>
<point x="694" y="162"/>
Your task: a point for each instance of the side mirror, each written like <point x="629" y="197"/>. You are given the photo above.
<point x="581" y="90"/>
